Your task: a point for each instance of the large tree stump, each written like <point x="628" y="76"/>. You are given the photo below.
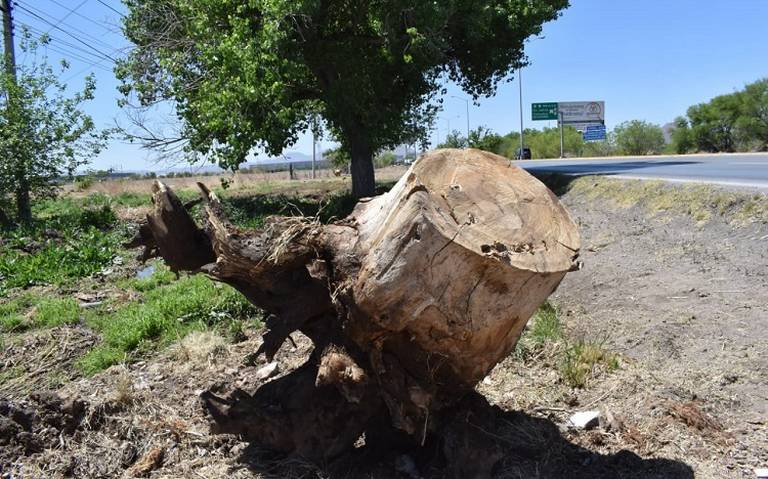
<point x="410" y="300"/>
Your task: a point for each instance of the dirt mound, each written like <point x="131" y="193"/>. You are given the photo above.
<point x="31" y="426"/>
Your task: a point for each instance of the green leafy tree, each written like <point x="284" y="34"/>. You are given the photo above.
<point x="454" y="139"/>
<point x="481" y="138"/>
<point x="682" y="137"/>
<point x="254" y="74"/>
<point x="713" y="124"/>
<point x="384" y="159"/>
<point x="734" y="122"/>
<point x="637" y="137"/>
<point x="752" y="123"/>
<point x="605" y="147"/>
<point x="44" y="135"/>
<point x="337" y="157"/>
<point x="546" y="143"/>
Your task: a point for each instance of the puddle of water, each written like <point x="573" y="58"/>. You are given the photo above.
<point x="146" y="272"/>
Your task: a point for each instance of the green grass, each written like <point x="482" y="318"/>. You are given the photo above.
<point x="543" y="328"/>
<point x="167" y="312"/>
<point x="30" y="311"/>
<point x="69" y="238"/>
<point x="78" y="253"/>
<point x="583" y="359"/>
<point x="577" y="361"/>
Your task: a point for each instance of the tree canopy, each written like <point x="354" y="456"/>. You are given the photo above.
<point x="734" y="122"/>
<point x="481" y="138"/>
<point x="254" y="74"/>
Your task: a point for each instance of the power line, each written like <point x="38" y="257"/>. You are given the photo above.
<point x="99" y="24"/>
<point x="41" y="14"/>
<point x="59" y="44"/>
<point x="69" y="12"/>
<point x="66" y="32"/>
<point x="110" y="7"/>
<point x="80" y="72"/>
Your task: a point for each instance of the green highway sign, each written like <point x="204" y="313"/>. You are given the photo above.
<point x="544" y="111"/>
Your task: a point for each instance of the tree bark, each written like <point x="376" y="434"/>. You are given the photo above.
<point x="23" y="203"/>
<point x="5" y="220"/>
<point x="410" y="300"/>
<point x="361" y="168"/>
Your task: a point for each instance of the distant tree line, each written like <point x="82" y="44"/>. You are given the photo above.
<point x="629" y="138"/>
<point x="728" y="123"/>
<point x="734" y="122"/>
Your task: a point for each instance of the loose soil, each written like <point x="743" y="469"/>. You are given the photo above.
<point x="682" y="303"/>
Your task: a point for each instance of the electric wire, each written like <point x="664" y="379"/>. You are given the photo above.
<point x="69" y="12"/>
<point x="40" y="15"/>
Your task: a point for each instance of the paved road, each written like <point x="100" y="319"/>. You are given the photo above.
<point x="738" y="170"/>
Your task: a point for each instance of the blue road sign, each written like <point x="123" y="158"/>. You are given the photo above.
<point x="594" y="133"/>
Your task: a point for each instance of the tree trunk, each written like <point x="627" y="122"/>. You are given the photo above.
<point x="5" y="220"/>
<point x="23" y="203"/>
<point x="410" y="301"/>
<point x="363" y="176"/>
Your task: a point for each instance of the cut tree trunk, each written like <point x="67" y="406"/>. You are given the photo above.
<point x="410" y="300"/>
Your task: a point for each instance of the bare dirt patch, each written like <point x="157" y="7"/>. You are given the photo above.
<point x="684" y="298"/>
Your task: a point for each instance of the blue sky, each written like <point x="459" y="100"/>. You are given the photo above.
<point x="648" y="60"/>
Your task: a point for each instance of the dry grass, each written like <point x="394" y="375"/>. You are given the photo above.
<point x="199" y="347"/>
<point x="247" y="183"/>
<point x="700" y="202"/>
<point x="124" y="393"/>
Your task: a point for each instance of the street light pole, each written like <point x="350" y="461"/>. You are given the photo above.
<point x="465" y="100"/>
<point x="560" y="123"/>
<point x="520" y="84"/>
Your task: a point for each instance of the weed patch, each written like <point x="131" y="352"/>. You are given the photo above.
<point x="583" y="360"/>
<point x="55" y="260"/>
<point x="577" y="361"/>
<point x="68" y="239"/>
<point x="167" y="312"/>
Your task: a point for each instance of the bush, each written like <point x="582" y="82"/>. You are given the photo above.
<point x="638" y="137"/>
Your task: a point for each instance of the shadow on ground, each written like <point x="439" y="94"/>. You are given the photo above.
<point x="481" y="441"/>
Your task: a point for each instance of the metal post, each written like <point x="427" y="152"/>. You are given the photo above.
<point x="560" y="122"/>
<point x="520" y="83"/>
<point x="314" y="146"/>
<point x="467" y="102"/>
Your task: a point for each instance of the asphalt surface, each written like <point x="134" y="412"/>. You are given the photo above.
<point x="737" y="170"/>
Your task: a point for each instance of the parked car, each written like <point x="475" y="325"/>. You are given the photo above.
<point x="524" y="155"/>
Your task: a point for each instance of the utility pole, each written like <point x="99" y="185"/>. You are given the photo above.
<point x="314" y="145"/>
<point x="10" y="56"/>
<point x="520" y="84"/>
<point x="23" y="207"/>
<point x="560" y="122"/>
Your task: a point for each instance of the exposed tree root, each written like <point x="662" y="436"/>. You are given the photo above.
<point x="409" y="301"/>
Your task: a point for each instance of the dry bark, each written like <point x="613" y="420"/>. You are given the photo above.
<point x="410" y="300"/>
